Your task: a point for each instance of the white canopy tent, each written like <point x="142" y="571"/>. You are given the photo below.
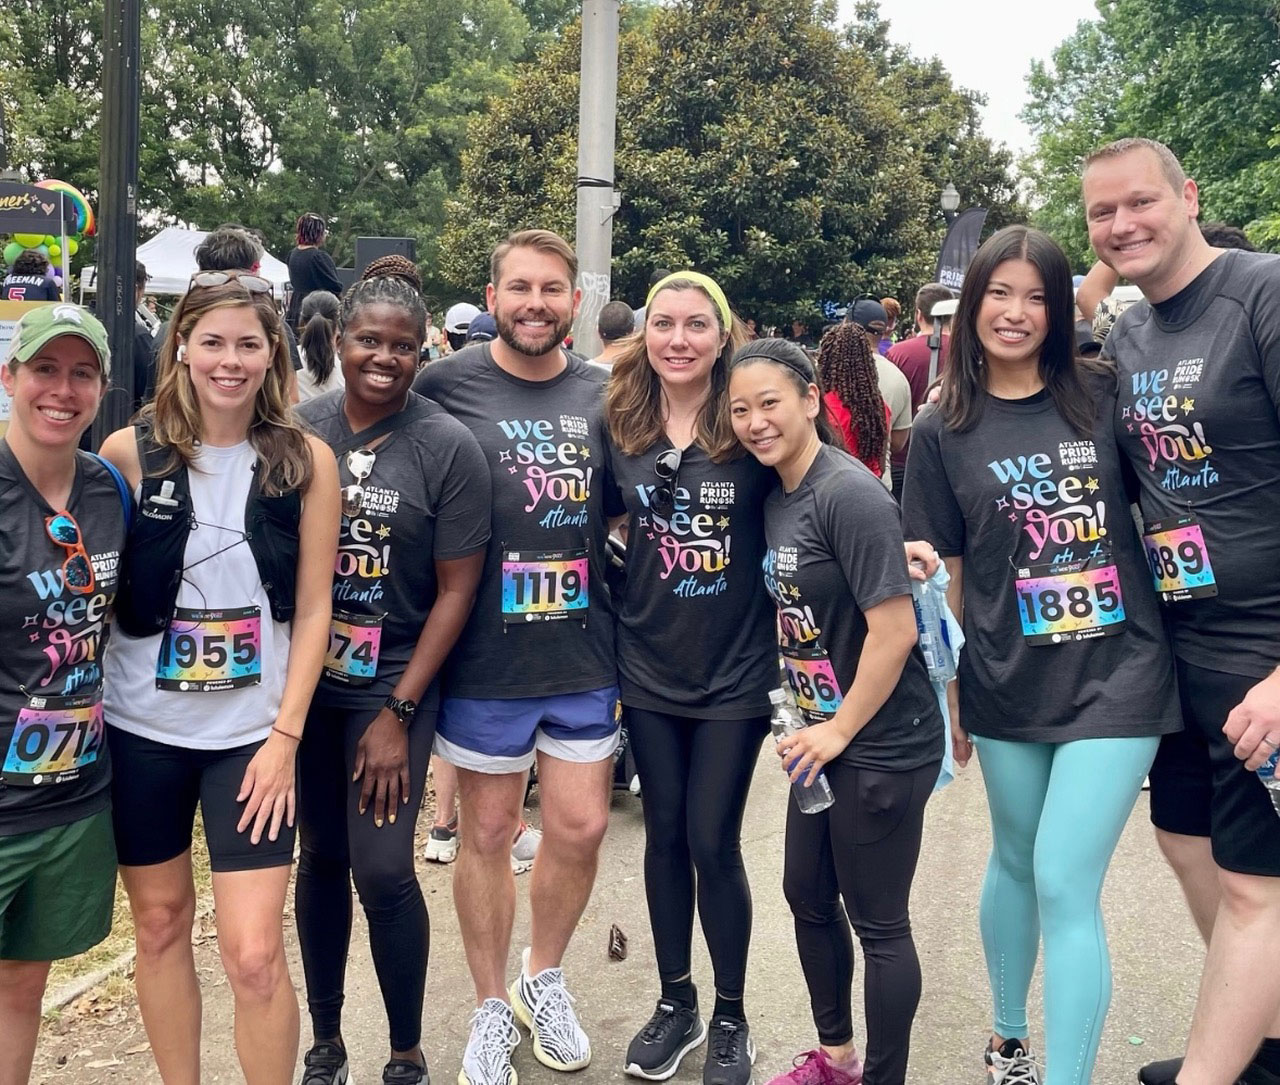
<point x="170" y="259"/>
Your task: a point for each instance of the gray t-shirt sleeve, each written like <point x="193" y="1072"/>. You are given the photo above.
<point x="466" y="494"/>
<point x="929" y="508"/>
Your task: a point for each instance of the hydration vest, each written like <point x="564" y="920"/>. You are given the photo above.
<point x="151" y="569"/>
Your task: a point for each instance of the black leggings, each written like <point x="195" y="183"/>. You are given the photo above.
<point x="339" y="844"/>
<point x="862" y="849"/>
<point x="694" y="779"/>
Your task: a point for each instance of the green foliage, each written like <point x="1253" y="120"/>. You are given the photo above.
<point x="755" y="141"/>
<point x="1202" y="78"/>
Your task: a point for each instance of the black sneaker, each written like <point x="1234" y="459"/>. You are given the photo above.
<point x="325" y="1064"/>
<point x="1012" y="1064"/>
<point x="405" y="1072"/>
<point x="1164" y="1072"/>
<point x="668" y="1036"/>
<point x="730" y="1053"/>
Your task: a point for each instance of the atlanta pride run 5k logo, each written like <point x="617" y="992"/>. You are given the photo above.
<point x="556" y="461"/>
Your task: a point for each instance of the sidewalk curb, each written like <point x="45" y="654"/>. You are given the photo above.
<point x="73" y="989"/>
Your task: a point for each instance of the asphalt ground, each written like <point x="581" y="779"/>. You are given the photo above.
<point x="1156" y="956"/>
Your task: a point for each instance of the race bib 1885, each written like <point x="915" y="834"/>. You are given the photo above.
<point x="1062" y="603"/>
<point x="544" y="585"/>
<point x="206" y="651"/>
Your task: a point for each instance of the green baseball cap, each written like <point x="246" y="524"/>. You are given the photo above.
<point x="40" y="326"/>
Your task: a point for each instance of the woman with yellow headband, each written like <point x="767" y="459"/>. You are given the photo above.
<point x="696" y="657"/>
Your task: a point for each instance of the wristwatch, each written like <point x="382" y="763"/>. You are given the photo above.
<point x="404" y="709"/>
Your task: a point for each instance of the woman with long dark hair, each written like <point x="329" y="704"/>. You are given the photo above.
<point x="695" y="656"/>
<point x="1066" y="681"/>
<point x="221" y="627"/>
<point x="318" y="342"/>
<point x="835" y="567"/>
<point x="852" y="396"/>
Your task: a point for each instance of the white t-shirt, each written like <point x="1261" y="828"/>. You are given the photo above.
<point x="219" y="574"/>
<point x="308" y="388"/>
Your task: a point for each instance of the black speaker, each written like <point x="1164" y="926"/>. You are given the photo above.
<point x="369" y="249"/>
<point x="346" y="276"/>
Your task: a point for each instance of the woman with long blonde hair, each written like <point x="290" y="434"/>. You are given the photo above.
<point x="221" y="627"/>
<point x="696" y="657"/>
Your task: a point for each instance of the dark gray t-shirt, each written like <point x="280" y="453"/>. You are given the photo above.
<point x="1051" y="554"/>
<point x="54" y="764"/>
<point x="695" y="627"/>
<point x="543" y="621"/>
<point x="835" y="551"/>
<point x="426" y="500"/>
<point x="1197" y="418"/>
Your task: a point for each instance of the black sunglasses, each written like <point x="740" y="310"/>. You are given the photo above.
<point x="667" y="468"/>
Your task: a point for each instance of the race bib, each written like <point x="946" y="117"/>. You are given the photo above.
<point x="813" y="682"/>
<point x="54" y="740"/>
<point x="206" y="651"/>
<point x="544" y="585"/>
<point x="1068" y="602"/>
<point x="354" y="642"/>
<point x="1179" y="559"/>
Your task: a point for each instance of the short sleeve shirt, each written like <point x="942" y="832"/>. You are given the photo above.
<point x="51" y="666"/>
<point x="834" y="551"/>
<point x="695" y="627"/>
<point x="426" y="500"/>
<point x="1197" y="418"/>
<point x="1021" y="490"/>
<point x="29" y="288"/>
<point x="543" y="621"/>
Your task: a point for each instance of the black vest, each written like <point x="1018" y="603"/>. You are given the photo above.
<point x="151" y="570"/>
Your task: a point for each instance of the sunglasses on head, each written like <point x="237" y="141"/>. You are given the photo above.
<point x="360" y="463"/>
<point x="667" y="469"/>
<point x="255" y="284"/>
<point x="77" y="570"/>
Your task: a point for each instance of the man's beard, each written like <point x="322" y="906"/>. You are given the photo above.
<point x="532" y="348"/>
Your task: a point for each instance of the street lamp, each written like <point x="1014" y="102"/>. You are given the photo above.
<point x="950" y="202"/>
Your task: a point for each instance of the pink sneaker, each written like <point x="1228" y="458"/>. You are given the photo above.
<point x="816" y="1068"/>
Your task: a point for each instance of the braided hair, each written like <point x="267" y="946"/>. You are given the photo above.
<point x="394" y="266"/>
<point x="384" y="290"/>
<point x="848" y="369"/>
<point x="311" y="228"/>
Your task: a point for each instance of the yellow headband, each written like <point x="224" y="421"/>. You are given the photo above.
<point x="706" y="282"/>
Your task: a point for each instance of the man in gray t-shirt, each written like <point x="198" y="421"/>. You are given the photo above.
<point x="533" y="675"/>
<point x="1198" y="416"/>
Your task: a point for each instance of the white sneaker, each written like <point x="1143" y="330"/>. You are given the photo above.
<point x="544" y="1006"/>
<point x="442" y="844"/>
<point x="525" y="848"/>
<point x="1011" y="1065"/>
<point x="487" y="1060"/>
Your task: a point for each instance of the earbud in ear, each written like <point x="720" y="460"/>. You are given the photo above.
<point x="182" y="352"/>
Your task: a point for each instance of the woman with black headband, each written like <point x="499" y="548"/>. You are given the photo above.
<point x="835" y="566"/>
<point x="695" y="656"/>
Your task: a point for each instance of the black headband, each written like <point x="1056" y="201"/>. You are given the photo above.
<point x="780" y="351"/>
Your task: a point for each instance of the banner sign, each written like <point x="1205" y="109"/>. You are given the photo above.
<point x="26" y="209"/>
<point x="958" y="248"/>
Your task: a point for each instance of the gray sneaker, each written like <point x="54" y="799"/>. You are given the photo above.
<point x="442" y="843"/>
<point x="525" y="848"/>
<point x="487" y="1060"/>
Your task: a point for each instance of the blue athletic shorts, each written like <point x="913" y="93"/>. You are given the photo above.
<point x="496" y="736"/>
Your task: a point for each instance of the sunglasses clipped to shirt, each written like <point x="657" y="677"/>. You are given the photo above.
<point x="667" y="468"/>
<point x="255" y="284"/>
<point x="360" y="463"/>
<point x="77" y="569"/>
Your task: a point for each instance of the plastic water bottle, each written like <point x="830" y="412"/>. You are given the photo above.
<point x="786" y="720"/>
<point x="931" y="627"/>
<point x="1267" y="774"/>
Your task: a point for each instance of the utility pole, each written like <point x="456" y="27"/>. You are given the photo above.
<point x="6" y="174"/>
<point x="118" y="204"/>
<point x="597" y="200"/>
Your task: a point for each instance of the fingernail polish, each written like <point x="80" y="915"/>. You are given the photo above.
<point x="391" y="818"/>
<point x="377" y="823"/>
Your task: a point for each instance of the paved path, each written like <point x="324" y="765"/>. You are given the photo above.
<point x="1155" y="949"/>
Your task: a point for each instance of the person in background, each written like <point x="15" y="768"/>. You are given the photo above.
<point x="28" y="280"/>
<point x="615" y="323"/>
<point x="750" y="324"/>
<point x="835" y="568"/>
<point x="852" y="395"/>
<point x="143" y="341"/>
<point x="870" y="316"/>
<point x="912" y="356"/>
<point x="62" y="534"/>
<point x="482" y="329"/>
<point x="321" y="367"/>
<point x="310" y="267"/>
<point x="433" y="339"/>
<point x="457" y="319"/>
<point x="658" y="274"/>
<point x="892" y="311"/>
<point x="801" y="334"/>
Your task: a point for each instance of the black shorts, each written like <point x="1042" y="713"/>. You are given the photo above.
<point x="154" y="791"/>
<point x="1200" y="788"/>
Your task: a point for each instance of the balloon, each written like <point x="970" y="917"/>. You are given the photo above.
<point x="12" y="251"/>
<point x="73" y="246"/>
<point x="29" y="241"/>
<point x="49" y="239"/>
<point x="43" y="250"/>
<point x="84" y="223"/>
<point x="55" y="250"/>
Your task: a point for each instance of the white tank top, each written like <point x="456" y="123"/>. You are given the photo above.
<point x="219" y="573"/>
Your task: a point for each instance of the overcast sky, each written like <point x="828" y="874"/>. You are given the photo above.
<point x="986" y="45"/>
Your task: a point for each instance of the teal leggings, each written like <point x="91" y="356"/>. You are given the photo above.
<point x="1057" y="811"/>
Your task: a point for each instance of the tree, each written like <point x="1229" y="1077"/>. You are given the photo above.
<point x="755" y="142"/>
<point x="1202" y="78"/>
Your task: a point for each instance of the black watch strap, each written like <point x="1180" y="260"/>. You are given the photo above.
<point x="404" y="709"/>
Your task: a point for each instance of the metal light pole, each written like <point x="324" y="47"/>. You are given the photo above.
<point x="597" y="200"/>
<point x="118" y="204"/>
<point x="949" y="200"/>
